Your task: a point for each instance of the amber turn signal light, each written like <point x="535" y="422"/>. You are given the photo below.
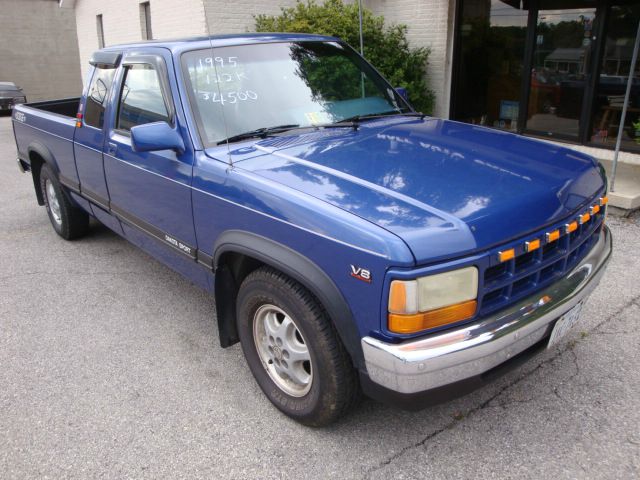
<point x="532" y="245"/>
<point x="506" y="255"/>
<point x="604" y="201"/>
<point x="571" y="227"/>
<point x="397" y="297"/>
<point x="595" y="209"/>
<point x="553" y="236"/>
<point x="584" y="218"/>
<point x="435" y="318"/>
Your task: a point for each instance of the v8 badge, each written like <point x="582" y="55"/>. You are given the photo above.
<point x="361" y="273"/>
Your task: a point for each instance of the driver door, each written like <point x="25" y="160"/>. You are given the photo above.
<point x="150" y="191"/>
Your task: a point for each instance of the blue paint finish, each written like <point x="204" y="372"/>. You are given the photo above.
<point x="106" y="219"/>
<point x="233" y="199"/>
<point x="48" y="134"/>
<point x="399" y="196"/>
<point x="89" y="143"/>
<point x="446" y="188"/>
<point x="81" y="201"/>
<point x="152" y="137"/>
<point x="183" y="265"/>
<point x="152" y="186"/>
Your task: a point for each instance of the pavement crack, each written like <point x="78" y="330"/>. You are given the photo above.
<point x="569" y="347"/>
<point x="635" y="301"/>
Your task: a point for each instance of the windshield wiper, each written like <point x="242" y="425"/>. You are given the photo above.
<point x="258" y="132"/>
<point x="355" y="120"/>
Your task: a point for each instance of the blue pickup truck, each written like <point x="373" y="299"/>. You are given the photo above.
<point x="352" y="244"/>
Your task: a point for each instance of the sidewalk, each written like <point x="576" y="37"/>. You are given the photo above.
<point x="627" y="185"/>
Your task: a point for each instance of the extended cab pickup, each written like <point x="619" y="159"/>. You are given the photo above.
<point x="352" y="244"/>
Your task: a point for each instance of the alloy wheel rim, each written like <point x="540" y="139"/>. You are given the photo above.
<point x="52" y="200"/>
<point x="282" y="350"/>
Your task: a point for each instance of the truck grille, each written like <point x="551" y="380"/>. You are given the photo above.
<point x="509" y="281"/>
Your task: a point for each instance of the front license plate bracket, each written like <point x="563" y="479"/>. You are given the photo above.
<point x="565" y="323"/>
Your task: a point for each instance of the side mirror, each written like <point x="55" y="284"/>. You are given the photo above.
<point x="156" y="136"/>
<point x="403" y="93"/>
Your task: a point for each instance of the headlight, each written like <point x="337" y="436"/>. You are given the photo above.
<point x="433" y="301"/>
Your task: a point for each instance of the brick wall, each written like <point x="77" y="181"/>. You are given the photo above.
<point x="237" y="16"/>
<point x="430" y="24"/>
<point x="39" y="49"/>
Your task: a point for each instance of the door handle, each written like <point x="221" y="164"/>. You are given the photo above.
<point x="112" y="148"/>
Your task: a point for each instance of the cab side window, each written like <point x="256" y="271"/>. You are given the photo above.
<point x="141" y="99"/>
<point x="97" y="97"/>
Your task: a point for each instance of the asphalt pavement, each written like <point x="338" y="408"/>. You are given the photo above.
<point x="110" y="368"/>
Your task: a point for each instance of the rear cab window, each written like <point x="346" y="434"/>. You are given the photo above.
<point x="97" y="97"/>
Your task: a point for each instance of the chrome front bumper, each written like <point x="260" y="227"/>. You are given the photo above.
<point x="446" y="357"/>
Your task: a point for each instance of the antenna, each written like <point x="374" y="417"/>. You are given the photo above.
<point x="217" y="82"/>
<point x="361" y="45"/>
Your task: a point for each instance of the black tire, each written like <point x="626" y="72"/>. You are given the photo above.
<point x="69" y="221"/>
<point x="334" y="384"/>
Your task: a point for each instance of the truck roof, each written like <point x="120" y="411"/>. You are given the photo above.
<point x="194" y="43"/>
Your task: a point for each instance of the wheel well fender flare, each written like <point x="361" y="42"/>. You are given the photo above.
<point x="296" y="266"/>
<point x="47" y="157"/>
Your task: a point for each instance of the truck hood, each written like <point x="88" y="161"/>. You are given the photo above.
<point x="444" y="187"/>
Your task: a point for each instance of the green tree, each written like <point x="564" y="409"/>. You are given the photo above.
<point x="386" y="47"/>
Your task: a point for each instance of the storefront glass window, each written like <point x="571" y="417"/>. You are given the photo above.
<point x="560" y="69"/>
<point x="492" y="38"/>
<point x="563" y="79"/>
<point x="614" y="74"/>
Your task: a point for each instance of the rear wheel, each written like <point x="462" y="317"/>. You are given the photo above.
<point x="67" y="220"/>
<point x="293" y="349"/>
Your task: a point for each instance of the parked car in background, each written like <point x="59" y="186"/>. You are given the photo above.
<point x="351" y="243"/>
<point x="10" y="95"/>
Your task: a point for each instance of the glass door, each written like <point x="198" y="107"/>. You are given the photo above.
<point x="615" y="68"/>
<point x="561" y="68"/>
<point x="491" y="41"/>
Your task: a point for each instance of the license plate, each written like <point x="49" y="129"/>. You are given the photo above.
<point x="564" y="324"/>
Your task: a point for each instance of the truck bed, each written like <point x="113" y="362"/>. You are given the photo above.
<point x="67" y="107"/>
<point x="46" y="129"/>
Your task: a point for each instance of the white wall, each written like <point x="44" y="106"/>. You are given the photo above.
<point x="237" y="16"/>
<point x="121" y="22"/>
<point x="169" y="19"/>
<point x="430" y="24"/>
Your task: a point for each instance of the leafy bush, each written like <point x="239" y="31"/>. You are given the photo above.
<point x="386" y="47"/>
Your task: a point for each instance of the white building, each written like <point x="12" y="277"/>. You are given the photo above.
<point x="492" y="61"/>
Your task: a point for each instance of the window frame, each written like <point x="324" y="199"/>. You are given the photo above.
<point x="107" y="99"/>
<point x="145" y="20"/>
<point x="159" y="65"/>
<point x="100" y="30"/>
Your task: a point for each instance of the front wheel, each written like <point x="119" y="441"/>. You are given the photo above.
<point x="293" y="349"/>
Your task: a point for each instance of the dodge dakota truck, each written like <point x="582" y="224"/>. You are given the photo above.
<point x="353" y="245"/>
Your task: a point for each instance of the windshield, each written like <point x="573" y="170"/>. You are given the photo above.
<point x="273" y="84"/>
